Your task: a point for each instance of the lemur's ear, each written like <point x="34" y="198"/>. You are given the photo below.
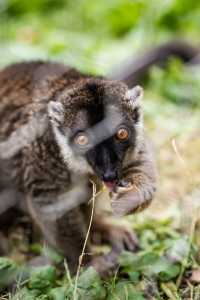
<point x="56" y="112"/>
<point x="134" y="96"/>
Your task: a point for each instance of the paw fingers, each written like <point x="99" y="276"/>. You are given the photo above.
<point x="131" y="242"/>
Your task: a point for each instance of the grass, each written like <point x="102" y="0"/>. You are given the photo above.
<point x="163" y="268"/>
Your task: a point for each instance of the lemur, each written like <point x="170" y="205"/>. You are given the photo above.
<point x="60" y="131"/>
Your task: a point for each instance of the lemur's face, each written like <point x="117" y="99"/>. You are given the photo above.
<point x="102" y="129"/>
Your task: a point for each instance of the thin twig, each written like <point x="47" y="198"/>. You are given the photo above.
<point x="85" y="242"/>
<point x="175" y="148"/>
<point x="185" y="260"/>
<point x="168" y="292"/>
<point x="67" y="273"/>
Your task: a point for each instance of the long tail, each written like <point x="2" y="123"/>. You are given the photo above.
<point x="135" y="69"/>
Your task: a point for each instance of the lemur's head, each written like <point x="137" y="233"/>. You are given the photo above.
<point x="95" y="124"/>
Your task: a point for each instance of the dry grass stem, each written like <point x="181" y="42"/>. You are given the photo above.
<point x="85" y="242"/>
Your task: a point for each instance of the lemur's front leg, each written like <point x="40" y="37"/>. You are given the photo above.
<point x="119" y="237"/>
<point x="65" y="231"/>
<point x="3" y="244"/>
<point x="138" y="184"/>
<point x="134" y="193"/>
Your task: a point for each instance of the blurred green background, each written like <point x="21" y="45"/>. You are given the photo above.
<point x="92" y="35"/>
<point x="95" y="36"/>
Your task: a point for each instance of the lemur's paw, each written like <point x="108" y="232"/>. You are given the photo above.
<point x="106" y="265"/>
<point x="122" y="238"/>
<point x="125" y="203"/>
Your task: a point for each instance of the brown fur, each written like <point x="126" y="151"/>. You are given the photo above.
<point x="37" y="171"/>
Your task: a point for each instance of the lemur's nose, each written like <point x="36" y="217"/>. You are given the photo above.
<point x="109" y="175"/>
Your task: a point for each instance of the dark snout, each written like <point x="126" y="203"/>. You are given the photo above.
<point x="110" y="179"/>
<point x="110" y="175"/>
<point x="106" y="163"/>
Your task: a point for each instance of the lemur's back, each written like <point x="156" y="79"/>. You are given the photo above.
<point x="26" y="88"/>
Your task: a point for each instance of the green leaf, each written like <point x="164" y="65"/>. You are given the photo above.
<point x="148" y="259"/>
<point x="90" y="285"/>
<point x="163" y="269"/>
<point x="134" y="276"/>
<point x="88" y="277"/>
<point x="26" y="294"/>
<point x="58" y="293"/>
<point x="42" y="277"/>
<point x="52" y="254"/>
<point x="8" y="271"/>
<point x="170" y="272"/>
<point x="127" y="258"/>
<point x="125" y="291"/>
<point x="137" y="262"/>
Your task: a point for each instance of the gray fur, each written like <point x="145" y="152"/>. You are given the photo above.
<point x="42" y="106"/>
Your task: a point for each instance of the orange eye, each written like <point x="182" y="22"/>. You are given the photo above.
<point x="122" y="134"/>
<point x="81" y="139"/>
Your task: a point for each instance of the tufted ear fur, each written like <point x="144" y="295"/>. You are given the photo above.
<point x="134" y="96"/>
<point x="56" y="112"/>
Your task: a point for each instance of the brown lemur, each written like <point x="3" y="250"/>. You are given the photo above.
<point x="57" y="132"/>
<point x="60" y="129"/>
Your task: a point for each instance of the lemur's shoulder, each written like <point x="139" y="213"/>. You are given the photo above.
<point x="27" y="87"/>
<point x="29" y="68"/>
<point x="31" y="74"/>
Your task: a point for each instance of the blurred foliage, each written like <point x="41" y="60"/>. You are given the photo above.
<point x="92" y="35"/>
<point x="177" y="83"/>
<point x="95" y="36"/>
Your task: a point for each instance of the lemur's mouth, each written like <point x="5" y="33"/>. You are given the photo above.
<point x="110" y="185"/>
